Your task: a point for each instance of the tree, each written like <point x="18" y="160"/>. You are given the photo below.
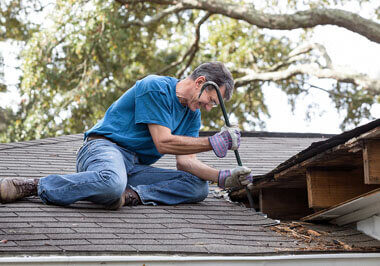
<point x="97" y="49"/>
<point x="16" y="27"/>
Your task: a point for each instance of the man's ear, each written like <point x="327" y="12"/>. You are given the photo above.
<point x="200" y="80"/>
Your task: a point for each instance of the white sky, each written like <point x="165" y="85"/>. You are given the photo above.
<point x="343" y="46"/>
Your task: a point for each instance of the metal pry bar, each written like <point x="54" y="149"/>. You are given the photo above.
<point x="221" y="102"/>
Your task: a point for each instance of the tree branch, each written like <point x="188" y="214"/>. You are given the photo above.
<point x="156" y="18"/>
<point x="303" y="49"/>
<point x="191" y="51"/>
<point x="301" y="19"/>
<point x="327" y="91"/>
<point x="298" y="53"/>
<point x="195" y="47"/>
<point x="339" y="74"/>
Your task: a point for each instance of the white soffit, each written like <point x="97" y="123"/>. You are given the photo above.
<point x="370" y="226"/>
<point x="356" y="209"/>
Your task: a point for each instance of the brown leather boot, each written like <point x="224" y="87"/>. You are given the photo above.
<point x="15" y="188"/>
<point x="131" y="197"/>
<point x="128" y="198"/>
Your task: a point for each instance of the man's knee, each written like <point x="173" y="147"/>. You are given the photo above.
<point x="113" y="183"/>
<point x="203" y="191"/>
<point x="199" y="188"/>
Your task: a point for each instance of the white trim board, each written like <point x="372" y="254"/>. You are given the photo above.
<point x="347" y="259"/>
<point x="356" y="209"/>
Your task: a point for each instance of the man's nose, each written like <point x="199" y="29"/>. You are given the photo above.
<point x="208" y="107"/>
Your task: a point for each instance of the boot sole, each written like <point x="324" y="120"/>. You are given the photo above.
<point x="3" y="191"/>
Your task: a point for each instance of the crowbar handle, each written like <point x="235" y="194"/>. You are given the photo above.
<point x="221" y="102"/>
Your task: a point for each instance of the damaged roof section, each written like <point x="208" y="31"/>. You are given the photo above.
<point x="367" y="131"/>
<point x="335" y="180"/>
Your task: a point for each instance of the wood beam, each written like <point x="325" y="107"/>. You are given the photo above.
<point x="371" y="161"/>
<point x="328" y="187"/>
<point x="284" y="203"/>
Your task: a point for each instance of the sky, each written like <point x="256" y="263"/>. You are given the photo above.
<point x="344" y="47"/>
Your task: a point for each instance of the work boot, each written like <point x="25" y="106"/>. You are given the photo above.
<point x="128" y="198"/>
<point x="131" y="197"/>
<point x="15" y="188"/>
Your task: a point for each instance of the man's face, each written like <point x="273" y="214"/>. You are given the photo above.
<point x="208" y="99"/>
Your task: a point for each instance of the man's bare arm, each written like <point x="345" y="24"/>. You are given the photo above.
<point x="190" y="163"/>
<point x="166" y="143"/>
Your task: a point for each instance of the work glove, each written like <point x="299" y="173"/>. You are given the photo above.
<point x="227" y="139"/>
<point x="235" y="178"/>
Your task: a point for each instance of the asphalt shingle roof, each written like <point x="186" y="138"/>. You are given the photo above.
<point x="212" y="227"/>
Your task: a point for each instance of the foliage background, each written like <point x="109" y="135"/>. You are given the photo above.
<point x="92" y="51"/>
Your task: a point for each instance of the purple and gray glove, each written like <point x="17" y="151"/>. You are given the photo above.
<point x="235" y="178"/>
<point x="227" y="139"/>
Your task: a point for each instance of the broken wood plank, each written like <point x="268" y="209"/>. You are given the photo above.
<point x="328" y="187"/>
<point x="371" y="161"/>
<point x="284" y="203"/>
<point x="298" y="181"/>
<point x="337" y="157"/>
<point x="372" y="134"/>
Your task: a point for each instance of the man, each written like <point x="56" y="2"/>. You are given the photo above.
<point x="158" y="115"/>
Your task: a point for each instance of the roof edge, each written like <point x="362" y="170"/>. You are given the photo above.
<point x="287" y="259"/>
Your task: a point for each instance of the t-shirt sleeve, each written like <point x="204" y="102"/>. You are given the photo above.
<point x="152" y="104"/>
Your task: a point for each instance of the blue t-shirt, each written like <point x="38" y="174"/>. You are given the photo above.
<point x="151" y="100"/>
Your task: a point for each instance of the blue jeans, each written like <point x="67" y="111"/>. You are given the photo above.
<point x="104" y="170"/>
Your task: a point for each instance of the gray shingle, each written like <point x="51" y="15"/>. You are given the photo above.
<point x="108" y="230"/>
<point x="29" y="250"/>
<point x="152" y="236"/>
<point x="192" y="241"/>
<point x="88" y="236"/>
<point x="98" y="248"/>
<point x="7" y="243"/>
<point x="238" y="249"/>
<point x="26" y="237"/>
<point x="25" y="219"/>
<point x="30" y="243"/>
<point x="14" y="225"/>
<point x="194" y="225"/>
<point x="26" y="231"/>
<point x="171" y="249"/>
<point x="126" y="241"/>
<point x="173" y="231"/>
<point x="65" y="224"/>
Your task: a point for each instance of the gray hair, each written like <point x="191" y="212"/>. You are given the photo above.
<point x="218" y="73"/>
